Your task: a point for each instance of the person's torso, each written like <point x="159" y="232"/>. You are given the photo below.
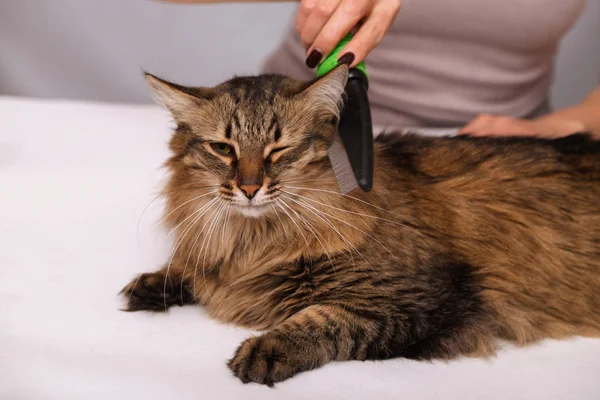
<point x="443" y="62"/>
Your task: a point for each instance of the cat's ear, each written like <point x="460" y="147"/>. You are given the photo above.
<point x="176" y="98"/>
<point x="327" y="92"/>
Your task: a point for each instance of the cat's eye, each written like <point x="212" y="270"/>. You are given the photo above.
<point x="222" y="148"/>
<point x="277" y="150"/>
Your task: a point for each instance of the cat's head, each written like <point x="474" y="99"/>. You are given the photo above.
<point x="251" y="137"/>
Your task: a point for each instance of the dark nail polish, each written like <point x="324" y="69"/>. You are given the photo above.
<point x="313" y="58"/>
<point x="347" y="59"/>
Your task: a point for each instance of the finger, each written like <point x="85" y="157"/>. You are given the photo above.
<point x="305" y="8"/>
<point x="345" y="17"/>
<point x="478" y="124"/>
<point x="372" y="31"/>
<point x="317" y="19"/>
<point x="515" y="130"/>
<point x="505" y="133"/>
<point x="507" y="126"/>
<point x="487" y="125"/>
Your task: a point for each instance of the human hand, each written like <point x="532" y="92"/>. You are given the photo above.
<point x="322" y="24"/>
<point x="498" y="125"/>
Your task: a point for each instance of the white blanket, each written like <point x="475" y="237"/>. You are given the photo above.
<point x="74" y="180"/>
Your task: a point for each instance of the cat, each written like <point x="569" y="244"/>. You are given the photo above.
<point x="461" y="242"/>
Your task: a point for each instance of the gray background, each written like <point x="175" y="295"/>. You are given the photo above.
<point x="95" y="49"/>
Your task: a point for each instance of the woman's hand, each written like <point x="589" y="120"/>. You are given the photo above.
<point x="498" y="125"/>
<point x="583" y="117"/>
<point x="321" y="25"/>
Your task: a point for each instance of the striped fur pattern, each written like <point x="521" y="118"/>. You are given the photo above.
<point x="462" y="241"/>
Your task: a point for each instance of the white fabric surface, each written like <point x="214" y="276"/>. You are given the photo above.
<point x="74" y="179"/>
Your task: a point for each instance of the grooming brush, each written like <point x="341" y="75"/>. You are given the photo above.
<point x="351" y="153"/>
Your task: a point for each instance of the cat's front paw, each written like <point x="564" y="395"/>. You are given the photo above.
<point x="155" y="292"/>
<point x="266" y="359"/>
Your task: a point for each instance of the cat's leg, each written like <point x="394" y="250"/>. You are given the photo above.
<point x="420" y="324"/>
<point x="307" y="340"/>
<point x="157" y="291"/>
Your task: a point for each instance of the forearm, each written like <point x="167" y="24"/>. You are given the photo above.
<point x="587" y="113"/>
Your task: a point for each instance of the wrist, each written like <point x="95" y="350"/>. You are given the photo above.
<point x="560" y="124"/>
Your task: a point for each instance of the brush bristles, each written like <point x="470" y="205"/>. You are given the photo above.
<point x="341" y="166"/>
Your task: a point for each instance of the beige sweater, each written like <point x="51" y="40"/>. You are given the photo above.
<point x="445" y="61"/>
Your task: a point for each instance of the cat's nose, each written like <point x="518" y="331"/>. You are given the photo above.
<point x="250" y="190"/>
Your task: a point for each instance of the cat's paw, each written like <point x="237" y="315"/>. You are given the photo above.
<point x="154" y="292"/>
<point x="266" y="359"/>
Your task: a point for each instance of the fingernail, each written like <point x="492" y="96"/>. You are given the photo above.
<point x="313" y="58"/>
<point x="347" y="59"/>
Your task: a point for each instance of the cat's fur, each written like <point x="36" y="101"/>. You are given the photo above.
<point x="461" y="241"/>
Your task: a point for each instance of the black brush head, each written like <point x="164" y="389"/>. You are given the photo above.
<point x="356" y="129"/>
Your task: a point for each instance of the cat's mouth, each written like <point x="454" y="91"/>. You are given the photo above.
<point x="253" y="204"/>
<point x="252" y="210"/>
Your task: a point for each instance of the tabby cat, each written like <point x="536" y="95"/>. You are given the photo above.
<point x="461" y="242"/>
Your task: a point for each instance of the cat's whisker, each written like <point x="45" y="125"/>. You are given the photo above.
<point x="186" y="218"/>
<point x="206" y="241"/>
<point x="300" y="202"/>
<point x="280" y="220"/>
<point x="214" y="229"/>
<point x="358" y="229"/>
<point x="278" y="201"/>
<point x="348" y="211"/>
<point x="180" y="240"/>
<point x="340" y="194"/>
<point x="335" y="229"/>
<point x="313" y="231"/>
<point x="316" y="212"/>
<point x="317" y="179"/>
<point x="183" y="204"/>
<point x="210" y="232"/>
<point x="158" y="197"/>
<point x="192" y="248"/>
<point x="317" y="183"/>
<point x="228" y="213"/>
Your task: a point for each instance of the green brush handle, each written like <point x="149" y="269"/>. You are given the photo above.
<point x="331" y="61"/>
